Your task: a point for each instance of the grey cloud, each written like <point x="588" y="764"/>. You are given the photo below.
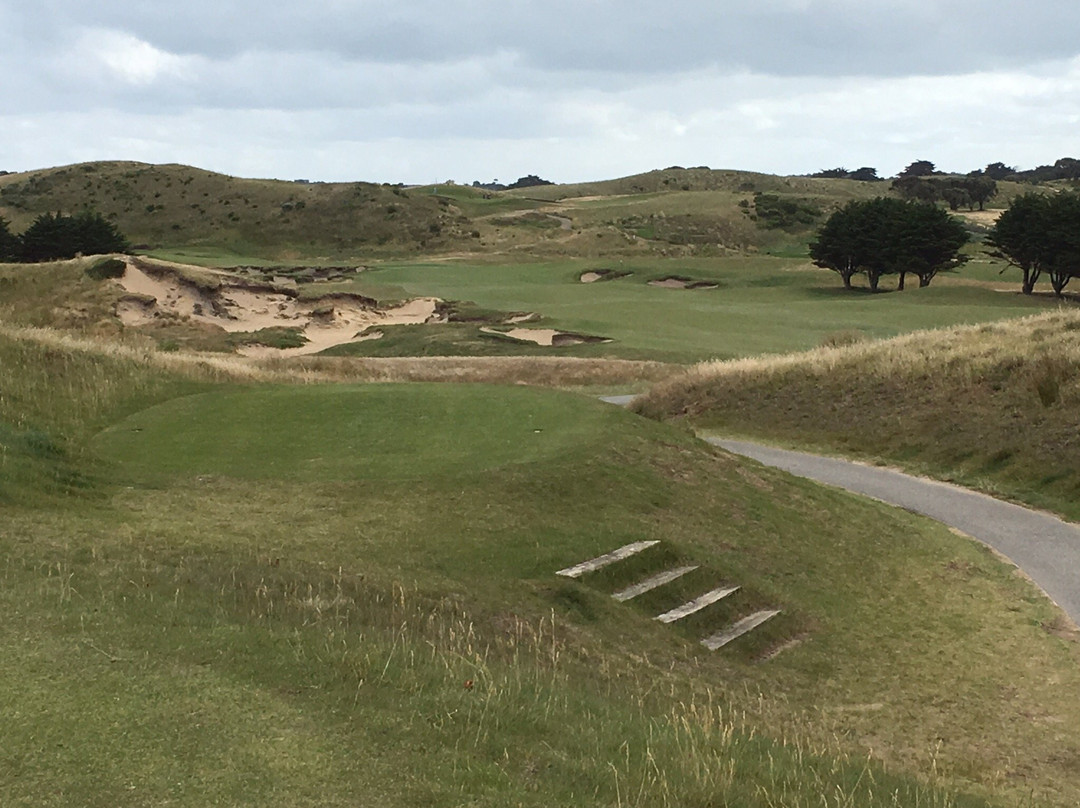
<point x="819" y="37"/>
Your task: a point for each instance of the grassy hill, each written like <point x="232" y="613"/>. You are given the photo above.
<point x="221" y="590"/>
<point x="991" y="406"/>
<point x="230" y="220"/>
<point x="163" y="206"/>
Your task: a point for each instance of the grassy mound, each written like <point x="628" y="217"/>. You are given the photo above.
<point x="992" y="406"/>
<point x="387" y="627"/>
<point x="344" y="432"/>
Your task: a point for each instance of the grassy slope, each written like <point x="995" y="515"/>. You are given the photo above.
<point x="992" y="406"/>
<point x="172" y="206"/>
<point x="215" y="630"/>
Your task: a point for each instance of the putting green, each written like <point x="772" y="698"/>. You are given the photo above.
<point x="342" y="432"/>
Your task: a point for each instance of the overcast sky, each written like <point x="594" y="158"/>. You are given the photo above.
<point x="419" y="91"/>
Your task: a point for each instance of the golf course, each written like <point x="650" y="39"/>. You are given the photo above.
<point x="299" y="495"/>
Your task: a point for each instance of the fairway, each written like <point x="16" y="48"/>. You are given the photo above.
<point x="343" y="432"/>
<point x="760" y="305"/>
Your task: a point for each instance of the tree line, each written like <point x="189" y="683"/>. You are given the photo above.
<point x="54" y="236"/>
<point x="1039" y="234"/>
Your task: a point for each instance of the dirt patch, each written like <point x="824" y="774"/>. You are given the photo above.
<point x="548" y="337"/>
<point x="156" y="293"/>
<point x="678" y="282"/>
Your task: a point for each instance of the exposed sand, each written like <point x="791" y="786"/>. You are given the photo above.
<point x="325" y="322"/>
<point x="679" y="283"/>
<point x="548" y="337"/>
<point x="669" y="283"/>
<point x="591" y="277"/>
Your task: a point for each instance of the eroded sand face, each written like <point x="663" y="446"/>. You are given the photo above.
<point x="325" y="322"/>
<point x="590" y="277"/>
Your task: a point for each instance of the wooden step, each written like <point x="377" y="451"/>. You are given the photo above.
<point x="697" y="604"/>
<point x="600" y="562"/>
<point x="652" y="583"/>
<point x="737" y="629"/>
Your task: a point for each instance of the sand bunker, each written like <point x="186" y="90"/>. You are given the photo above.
<point x="155" y="293"/>
<point x="594" y="275"/>
<point x="675" y="282"/>
<point x="548" y="337"/>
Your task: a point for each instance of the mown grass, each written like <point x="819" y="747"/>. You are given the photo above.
<point x="737" y="319"/>
<point x="990" y="406"/>
<point x="381" y="623"/>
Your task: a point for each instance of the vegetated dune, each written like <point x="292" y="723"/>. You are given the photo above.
<point x="996" y="406"/>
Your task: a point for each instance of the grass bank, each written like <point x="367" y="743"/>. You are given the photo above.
<point x="991" y="407"/>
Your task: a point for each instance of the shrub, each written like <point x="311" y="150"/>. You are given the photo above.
<point x="107" y="268"/>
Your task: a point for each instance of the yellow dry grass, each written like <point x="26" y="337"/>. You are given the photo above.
<point x="975" y="347"/>
<point x="539" y="370"/>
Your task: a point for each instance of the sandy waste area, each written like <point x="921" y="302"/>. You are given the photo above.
<point x="325" y="322"/>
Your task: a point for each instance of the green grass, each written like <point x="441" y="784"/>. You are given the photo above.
<point x="331" y="595"/>
<point x="738" y="319"/>
<point x="344" y="432"/>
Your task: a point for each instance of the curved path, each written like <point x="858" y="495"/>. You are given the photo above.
<point x="1046" y="548"/>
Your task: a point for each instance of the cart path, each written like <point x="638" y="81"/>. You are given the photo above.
<point x="1044" y="547"/>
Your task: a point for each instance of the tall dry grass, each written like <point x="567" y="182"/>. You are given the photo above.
<point x="994" y="406"/>
<point x="538" y="370"/>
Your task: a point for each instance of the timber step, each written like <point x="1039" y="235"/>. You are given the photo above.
<point x="697" y="604"/>
<point x="600" y="562"/>
<point x="737" y="629"/>
<point x="649" y="584"/>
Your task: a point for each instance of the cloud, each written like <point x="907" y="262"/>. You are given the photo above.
<point x="339" y="89"/>
<point x="129" y="58"/>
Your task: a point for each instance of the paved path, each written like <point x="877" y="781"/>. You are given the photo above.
<point x="1043" y="546"/>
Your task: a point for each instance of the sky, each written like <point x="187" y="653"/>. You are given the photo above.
<point x="420" y="91"/>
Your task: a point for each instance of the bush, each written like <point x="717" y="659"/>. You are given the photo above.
<point x="107" y="268"/>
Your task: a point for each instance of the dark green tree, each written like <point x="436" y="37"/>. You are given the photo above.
<point x="9" y="242"/>
<point x="981" y="189"/>
<point x="1062" y="235"/>
<point x="886" y="236"/>
<point x="55" y="236"/>
<point x="865" y="174"/>
<point x="920" y="168"/>
<point x="927" y="240"/>
<point x="998" y="171"/>
<point x="1019" y="236"/>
